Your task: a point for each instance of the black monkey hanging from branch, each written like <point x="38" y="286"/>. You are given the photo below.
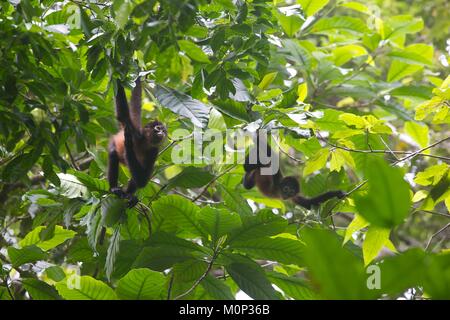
<point x="134" y="146"/>
<point x="259" y="171"/>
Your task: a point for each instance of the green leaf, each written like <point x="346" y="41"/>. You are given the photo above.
<point x="294" y="287"/>
<point x="418" y="132"/>
<point x="283" y="250"/>
<point x="324" y="257"/>
<point x="235" y="201"/>
<point x="141" y="284"/>
<point x="70" y="186"/>
<point x="189" y="270"/>
<point x="85" y="288"/>
<point x="407" y="92"/>
<point x="27" y="254"/>
<point x="264" y="224"/>
<point x="113" y="209"/>
<point x="93" y="184"/>
<point x="302" y="92"/>
<point x="357" y="224"/>
<point x="388" y="200"/>
<point x="4" y="295"/>
<point x="165" y="250"/>
<point x="340" y="23"/>
<point x="122" y="10"/>
<point x="295" y="51"/>
<point x="40" y="290"/>
<point x="403" y="24"/>
<point x="60" y="236"/>
<point x="267" y="80"/>
<point x="234" y="109"/>
<point x="310" y="7"/>
<point x="357" y="6"/>
<point x="216" y="288"/>
<point x="178" y="211"/>
<point x="252" y="280"/>
<point x="290" y="24"/>
<point x="113" y="250"/>
<point x="343" y="54"/>
<point x="218" y="222"/>
<point x="183" y="105"/>
<point x="191" y="177"/>
<point x="410" y="57"/>
<point x="418" y="54"/>
<point x="55" y="273"/>
<point x="374" y="241"/>
<point x="193" y="51"/>
<point x="317" y="162"/>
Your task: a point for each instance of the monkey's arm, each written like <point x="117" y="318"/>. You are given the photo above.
<point x="309" y="202"/>
<point x="123" y="112"/>
<point x="136" y="104"/>
<point x="249" y="179"/>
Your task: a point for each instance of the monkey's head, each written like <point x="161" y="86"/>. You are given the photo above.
<point x="289" y="187"/>
<point x="155" y="132"/>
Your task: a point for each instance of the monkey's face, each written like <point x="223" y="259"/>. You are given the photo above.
<point x="155" y="132"/>
<point x="289" y="187"/>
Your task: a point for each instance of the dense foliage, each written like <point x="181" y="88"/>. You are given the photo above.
<point x="360" y="94"/>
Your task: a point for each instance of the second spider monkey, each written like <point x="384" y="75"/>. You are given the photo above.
<point x="275" y="185"/>
<point x="133" y="146"/>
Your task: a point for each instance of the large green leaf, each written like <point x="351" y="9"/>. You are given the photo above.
<point x="264" y="224"/>
<point x="310" y="7"/>
<point x="191" y="177"/>
<point x="216" y="288"/>
<point x="141" y="284"/>
<point x="85" y="288"/>
<point x="388" y="200"/>
<point x="193" y="51"/>
<point x="325" y="258"/>
<point x="409" y="61"/>
<point x="340" y="23"/>
<point x="60" y="236"/>
<point x="218" y="222"/>
<point x="294" y="287"/>
<point x="113" y="209"/>
<point x="183" y="105"/>
<point x="235" y="201"/>
<point x="27" y="254"/>
<point x="284" y="250"/>
<point x="174" y="210"/>
<point x="252" y="280"/>
<point x="40" y="290"/>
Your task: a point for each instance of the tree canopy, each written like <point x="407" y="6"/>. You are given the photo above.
<point x="357" y="92"/>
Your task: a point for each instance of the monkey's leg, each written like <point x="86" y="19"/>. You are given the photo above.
<point x="130" y="190"/>
<point x="113" y="171"/>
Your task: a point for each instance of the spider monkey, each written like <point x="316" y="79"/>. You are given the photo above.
<point x="275" y="185"/>
<point x="133" y="146"/>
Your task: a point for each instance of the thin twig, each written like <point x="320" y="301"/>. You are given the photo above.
<point x="72" y="160"/>
<point x="203" y="276"/>
<point x="436" y="234"/>
<point x="145" y="211"/>
<point x="434" y="213"/>
<point x="8" y="289"/>
<point x="212" y="181"/>
<point x="387" y="146"/>
<point x="169" y="290"/>
<point x="287" y="153"/>
<point x="421" y="150"/>
<point x="409" y="153"/>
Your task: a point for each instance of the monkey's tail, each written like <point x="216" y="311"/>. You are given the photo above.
<point x="309" y="202"/>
